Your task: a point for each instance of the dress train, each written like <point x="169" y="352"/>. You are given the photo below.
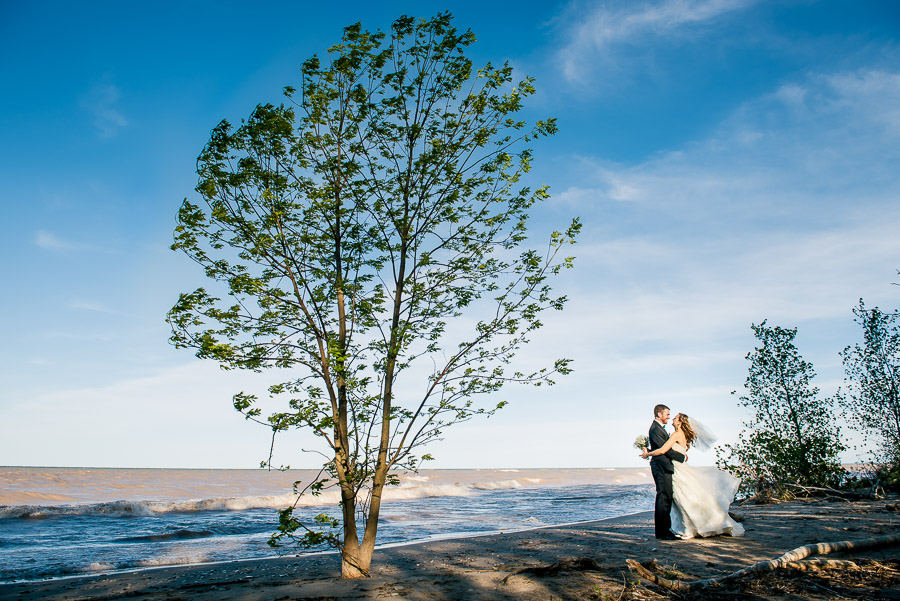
<point x="701" y="499"/>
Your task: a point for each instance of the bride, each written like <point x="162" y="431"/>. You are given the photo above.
<point x="701" y="494"/>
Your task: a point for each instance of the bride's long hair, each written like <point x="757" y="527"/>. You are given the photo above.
<point x="689" y="434"/>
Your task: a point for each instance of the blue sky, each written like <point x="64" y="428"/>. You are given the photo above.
<point x="732" y="161"/>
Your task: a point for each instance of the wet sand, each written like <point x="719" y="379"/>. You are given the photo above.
<point x="473" y="568"/>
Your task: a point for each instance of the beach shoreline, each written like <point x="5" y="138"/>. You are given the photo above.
<point x="310" y="554"/>
<point x="474" y="567"/>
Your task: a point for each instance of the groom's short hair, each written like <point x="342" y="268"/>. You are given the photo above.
<point x="659" y="409"/>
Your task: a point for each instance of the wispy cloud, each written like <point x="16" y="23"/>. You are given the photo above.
<point x="184" y="402"/>
<point x="50" y="241"/>
<point x="78" y="336"/>
<point x="89" y="306"/>
<point x="44" y="239"/>
<point x="787" y="211"/>
<point x="808" y="144"/>
<point x="101" y="103"/>
<point x="597" y="34"/>
<point x="709" y="290"/>
<point x="94" y="307"/>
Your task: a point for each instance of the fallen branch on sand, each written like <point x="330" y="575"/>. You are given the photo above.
<point x="831" y="493"/>
<point x="817" y="563"/>
<point x="787" y="491"/>
<point x="567" y="564"/>
<point x="792" y="559"/>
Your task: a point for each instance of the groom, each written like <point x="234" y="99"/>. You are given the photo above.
<point x="662" y="470"/>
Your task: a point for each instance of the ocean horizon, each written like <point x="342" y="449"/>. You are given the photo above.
<point x="58" y="522"/>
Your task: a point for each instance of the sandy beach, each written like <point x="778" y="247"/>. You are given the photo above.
<point x="474" y="568"/>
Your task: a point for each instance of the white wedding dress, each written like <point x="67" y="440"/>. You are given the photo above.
<point x="701" y="499"/>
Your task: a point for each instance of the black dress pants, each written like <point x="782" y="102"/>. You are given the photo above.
<point x="662" y="518"/>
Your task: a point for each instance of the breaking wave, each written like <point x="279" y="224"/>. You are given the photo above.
<point x="125" y="508"/>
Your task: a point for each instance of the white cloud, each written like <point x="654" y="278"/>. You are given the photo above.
<point x="89" y="306"/>
<point x="83" y="337"/>
<point x="49" y="241"/>
<point x="826" y="141"/>
<point x="788" y="212"/>
<point x="642" y="290"/>
<point x="94" y="307"/>
<point x="877" y="90"/>
<point x="599" y="32"/>
<point x="179" y="417"/>
<point x="101" y="102"/>
<point x="577" y="197"/>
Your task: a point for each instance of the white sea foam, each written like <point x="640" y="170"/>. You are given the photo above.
<point x="113" y="509"/>
<point x="502" y="485"/>
<point x="124" y="508"/>
<point x="169" y="561"/>
<point x="144" y="508"/>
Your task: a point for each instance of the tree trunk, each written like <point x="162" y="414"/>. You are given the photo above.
<point x="355" y="562"/>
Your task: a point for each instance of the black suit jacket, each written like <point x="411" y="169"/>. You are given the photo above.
<point x="658" y="438"/>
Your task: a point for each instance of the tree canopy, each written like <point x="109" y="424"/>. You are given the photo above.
<point x="373" y="226"/>
<point x="873" y="378"/>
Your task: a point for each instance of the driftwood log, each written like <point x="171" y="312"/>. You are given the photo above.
<point x="786" y="491"/>
<point x="817" y="563"/>
<point x="795" y="559"/>
<point x="832" y="493"/>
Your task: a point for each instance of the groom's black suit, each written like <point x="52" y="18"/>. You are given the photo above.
<point x="662" y="470"/>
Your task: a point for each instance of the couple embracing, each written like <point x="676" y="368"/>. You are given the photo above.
<point x="690" y="501"/>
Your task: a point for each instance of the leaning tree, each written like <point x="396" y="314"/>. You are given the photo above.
<point x="372" y="225"/>
<point x="792" y="437"/>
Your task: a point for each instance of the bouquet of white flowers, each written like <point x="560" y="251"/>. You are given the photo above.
<point x="642" y="442"/>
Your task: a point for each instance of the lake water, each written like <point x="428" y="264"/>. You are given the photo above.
<point x="66" y="521"/>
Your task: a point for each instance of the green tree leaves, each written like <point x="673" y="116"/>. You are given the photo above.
<point x="347" y="230"/>
<point x="873" y="376"/>
<point x="791" y="437"/>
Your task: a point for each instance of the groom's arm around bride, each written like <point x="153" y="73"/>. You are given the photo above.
<point x="658" y="438"/>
